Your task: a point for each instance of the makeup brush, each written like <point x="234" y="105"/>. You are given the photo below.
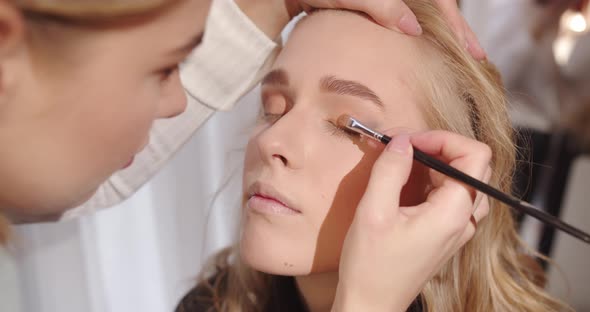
<point x="345" y="121"/>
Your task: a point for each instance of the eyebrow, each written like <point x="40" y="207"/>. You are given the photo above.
<point x="276" y="77"/>
<point x="186" y="48"/>
<point x="330" y="84"/>
<point x="348" y="87"/>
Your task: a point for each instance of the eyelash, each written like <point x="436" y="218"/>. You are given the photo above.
<point x="341" y="132"/>
<point x="333" y="128"/>
<point x="270" y="117"/>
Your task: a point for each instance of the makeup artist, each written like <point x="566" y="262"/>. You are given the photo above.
<point x="70" y="117"/>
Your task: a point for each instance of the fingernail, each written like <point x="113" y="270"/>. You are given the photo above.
<point x="400" y="144"/>
<point x="477" y="51"/>
<point x="482" y="52"/>
<point x="479" y="48"/>
<point x="410" y="25"/>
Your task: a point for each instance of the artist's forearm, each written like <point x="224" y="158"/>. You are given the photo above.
<point x="271" y="16"/>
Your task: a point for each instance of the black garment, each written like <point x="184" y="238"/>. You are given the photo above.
<point x="542" y="172"/>
<point x="284" y="297"/>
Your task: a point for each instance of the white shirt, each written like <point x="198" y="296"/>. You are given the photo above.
<point x="232" y="58"/>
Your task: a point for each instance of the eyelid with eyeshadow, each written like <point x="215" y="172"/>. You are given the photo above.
<point x="339" y="131"/>
<point x="264" y="115"/>
<point x="275" y="101"/>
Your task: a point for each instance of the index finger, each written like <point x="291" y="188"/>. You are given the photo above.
<point x="451" y="12"/>
<point x="461" y="28"/>
<point x="449" y="146"/>
<point x="460" y="152"/>
<point x="453" y="200"/>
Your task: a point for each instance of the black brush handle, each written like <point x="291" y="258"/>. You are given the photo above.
<point x="509" y="200"/>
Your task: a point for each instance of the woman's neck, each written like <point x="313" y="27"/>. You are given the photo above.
<point x="318" y="290"/>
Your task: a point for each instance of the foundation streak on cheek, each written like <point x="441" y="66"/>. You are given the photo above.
<point x="350" y="189"/>
<point x="349" y="177"/>
<point x="364" y="143"/>
<point x="346" y="167"/>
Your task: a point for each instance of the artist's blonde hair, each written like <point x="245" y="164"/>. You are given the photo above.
<point x="465" y="96"/>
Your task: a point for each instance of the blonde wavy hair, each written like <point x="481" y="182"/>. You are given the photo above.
<point x="76" y="13"/>
<point x="491" y="272"/>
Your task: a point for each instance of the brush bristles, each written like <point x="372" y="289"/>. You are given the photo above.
<point x="344" y="121"/>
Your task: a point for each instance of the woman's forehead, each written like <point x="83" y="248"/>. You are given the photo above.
<point x="347" y="46"/>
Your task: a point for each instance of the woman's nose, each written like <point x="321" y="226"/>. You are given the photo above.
<point x="281" y="143"/>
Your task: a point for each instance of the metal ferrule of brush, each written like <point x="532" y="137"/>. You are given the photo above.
<point x="362" y="129"/>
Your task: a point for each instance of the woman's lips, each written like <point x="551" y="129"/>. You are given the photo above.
<point x="268" y="205"/>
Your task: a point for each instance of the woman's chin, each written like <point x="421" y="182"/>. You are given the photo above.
<point x="273" y="263"/>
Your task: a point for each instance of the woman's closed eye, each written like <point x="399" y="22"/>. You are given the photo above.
<point x="341" y="132"/>
<point x="274" y="106"/>
<point x="270" y="117"/>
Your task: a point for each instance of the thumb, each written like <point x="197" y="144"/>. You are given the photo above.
<point x="389" y="174"/>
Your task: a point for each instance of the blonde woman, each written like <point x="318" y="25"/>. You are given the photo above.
<point x="306" y="181"/>
<point x="81" y="83"/>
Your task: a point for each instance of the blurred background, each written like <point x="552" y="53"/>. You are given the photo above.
<point x="144" y="254"/>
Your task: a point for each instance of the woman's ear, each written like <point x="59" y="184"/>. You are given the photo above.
<point x="12" y="29"/>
